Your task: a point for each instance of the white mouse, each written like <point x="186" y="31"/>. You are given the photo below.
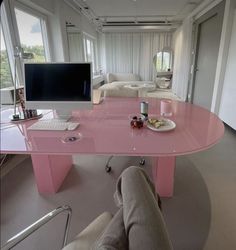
<point x="72" y="125"/>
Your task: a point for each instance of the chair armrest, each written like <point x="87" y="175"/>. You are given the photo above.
<point x="38" y="224"/>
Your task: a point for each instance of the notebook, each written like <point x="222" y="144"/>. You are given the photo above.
<point x="97" y="96"/>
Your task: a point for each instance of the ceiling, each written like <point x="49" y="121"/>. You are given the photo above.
<point x="136" y="13"/>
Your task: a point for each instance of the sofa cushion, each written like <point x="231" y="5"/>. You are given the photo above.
<point x="120" y="92"/>
<point x="112" y="77"/>
<point x="121" y="84"/>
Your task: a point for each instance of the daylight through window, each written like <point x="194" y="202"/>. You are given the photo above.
<point x="5" y="71"/>
<point x="31" y="37"/>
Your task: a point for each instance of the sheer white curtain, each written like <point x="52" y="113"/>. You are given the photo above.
<point x="75" y="47"/>
<point x="182" y="62"/>
<point x="133" y="52"/>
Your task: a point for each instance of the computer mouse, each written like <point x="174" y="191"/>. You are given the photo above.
<point x="72" y="125"/>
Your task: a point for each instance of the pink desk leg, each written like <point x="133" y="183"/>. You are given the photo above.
<point x="163" y="175"/>
<point x="50" y="171"/>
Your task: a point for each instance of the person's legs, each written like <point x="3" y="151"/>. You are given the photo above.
<point x="144" y="224"/>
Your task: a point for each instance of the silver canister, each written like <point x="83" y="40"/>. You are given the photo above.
<point x="144" y="109"/>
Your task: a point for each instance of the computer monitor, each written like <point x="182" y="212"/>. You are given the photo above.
<point x="59" y="86"/>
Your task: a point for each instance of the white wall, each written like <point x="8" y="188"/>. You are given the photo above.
<point x="223" y="55"/>
<point x="88" y="27"/>
<point x="228" y="100"/>
<point x="68" y="14"/>
<point x="183" y="44"/>
<point x="43" y="5"/>
<point x="182" y="59"/>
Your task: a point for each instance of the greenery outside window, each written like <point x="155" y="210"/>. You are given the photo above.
<point x="24" y="30"/>
<point x="5" y="71"/>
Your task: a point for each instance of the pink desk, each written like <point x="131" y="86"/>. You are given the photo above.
<point x="106" y="130"/>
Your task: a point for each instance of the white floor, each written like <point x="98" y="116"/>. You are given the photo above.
<point x="201" y="214"/>
<point x="163" y="93"/>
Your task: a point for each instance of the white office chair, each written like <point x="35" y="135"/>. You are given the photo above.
<point x="120" y="92"/>
<point x="82" y="241"/>
<point x="109" y="231"/>
<point x="15" y="240"/>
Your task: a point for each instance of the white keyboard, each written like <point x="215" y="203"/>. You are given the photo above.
<point x="54" y="125"/>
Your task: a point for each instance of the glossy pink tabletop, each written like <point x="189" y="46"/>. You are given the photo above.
<point x="106" y="130"/>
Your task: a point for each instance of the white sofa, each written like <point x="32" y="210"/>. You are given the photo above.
<point x="114" y="77"/>
<point x="116" y="82"/>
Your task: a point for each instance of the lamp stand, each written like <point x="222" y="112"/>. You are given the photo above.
<point x="25" y="114"/>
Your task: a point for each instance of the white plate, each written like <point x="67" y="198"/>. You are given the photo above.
<point x="169" y="125"/>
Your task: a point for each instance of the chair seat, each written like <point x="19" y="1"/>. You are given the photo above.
<point x="90" y="234"/>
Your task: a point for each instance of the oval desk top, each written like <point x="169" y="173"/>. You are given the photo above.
<point x="106" y="130"/>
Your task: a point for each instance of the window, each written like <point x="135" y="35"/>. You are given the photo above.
<point x="5" y="71"/>
<point x="24" y="30"/>
<point x="31" y="35"/>
<point x="90" y="52"/>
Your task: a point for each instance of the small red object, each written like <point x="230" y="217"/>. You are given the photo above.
<point x="136" y="122"/>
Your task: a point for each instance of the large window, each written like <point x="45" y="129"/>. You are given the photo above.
<point x="90" y="52"/>
<point x="24" y="30"/>
<point x="5" y="71"/>
<point x="31" y="35"/>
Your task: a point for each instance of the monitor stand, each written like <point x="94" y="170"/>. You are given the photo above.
<point x="63" y="115"/>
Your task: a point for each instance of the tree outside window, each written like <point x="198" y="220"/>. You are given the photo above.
<point x="5" y="71"/>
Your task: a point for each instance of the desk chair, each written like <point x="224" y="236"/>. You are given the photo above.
<point x="120" y="92"/>
<point x="138" y="224"/>
<point x="15" y="240"/>
<point x="82" y="241"/>
<point x="108" y="166"/>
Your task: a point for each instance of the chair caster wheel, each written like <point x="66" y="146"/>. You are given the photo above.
<point x="142" y="162"/>
<point x="108" y="169"/>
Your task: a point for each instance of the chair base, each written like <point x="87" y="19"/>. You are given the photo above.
<point x="108" y="168"/>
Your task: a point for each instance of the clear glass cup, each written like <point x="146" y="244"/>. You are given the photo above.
<point x="166" y="107"/>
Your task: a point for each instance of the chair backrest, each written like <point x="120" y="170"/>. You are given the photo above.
<point x="112" y="77"/>
<point x="121" y="92"/>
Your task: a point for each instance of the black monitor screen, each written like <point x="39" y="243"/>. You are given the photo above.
<point x="58" y="82"/>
